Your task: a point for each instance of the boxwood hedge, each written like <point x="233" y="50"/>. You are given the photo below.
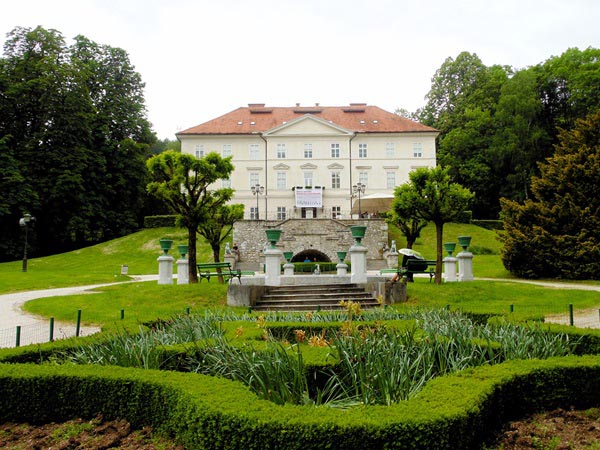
<point x="461" y="411"/>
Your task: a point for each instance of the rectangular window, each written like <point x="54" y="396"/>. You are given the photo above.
<point x="308" y="179"/>
<point x="226" y="150"/>
<point x="417" y="150"/>
<point x="199" y="150"/>
<point x="336" y="212"/>
<point x="281" y="214"/>
<point x="254" y="179"/>
<point x="335" y="180"/>
<point x="391" y="180"/>
<point x="390" y="150"/>
<point x="362" y="150"/>
<point x="335" y="150"/>
<point x="226" y="183"/>
<point x="281" y="180"/>
<point x="363" y="177"/>
<point x="308" y="150"/>
<point x="254" y="151"/>
<point x="253" y="213"/>
<point x="280" y="151"/>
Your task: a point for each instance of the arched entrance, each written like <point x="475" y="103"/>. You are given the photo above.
<point x="311" y="255"/>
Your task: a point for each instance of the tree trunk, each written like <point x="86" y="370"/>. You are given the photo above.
<point x="439" y="233"/>
<point x="216" y="258"/>
<point x="192" y="269"/>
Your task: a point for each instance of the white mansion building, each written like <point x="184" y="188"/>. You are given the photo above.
<point x="303" y="161"/>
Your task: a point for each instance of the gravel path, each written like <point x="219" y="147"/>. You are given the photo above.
<point x="34" y="329"/>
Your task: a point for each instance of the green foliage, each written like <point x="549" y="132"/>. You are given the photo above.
<point x="74" y="137"/>
<point x="430" y="196"/>
<point x="159" y="221"/>
<point x="182" y="182"/>
<point x="497" y="123"/>
<point x="556" y="233"/>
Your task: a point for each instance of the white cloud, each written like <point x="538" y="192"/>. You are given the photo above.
<point x="201" y="59"/>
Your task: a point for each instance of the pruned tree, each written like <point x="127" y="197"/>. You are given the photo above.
<point x="183" y="183"/>
<point x="431" y="196"/>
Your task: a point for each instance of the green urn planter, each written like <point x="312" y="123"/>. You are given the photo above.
<point x="166" y="244"/>
<point x="464" y="242"/>
<point x="288" y="256"/>
<point x="183" y="250"/>
<point x="450" y="246"/>
<point x="358" y="233"/>
<point x="273" y="235"/>
<point x="341" y="256"/>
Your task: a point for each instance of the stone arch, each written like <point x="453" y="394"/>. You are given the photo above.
<point x="312" y="255"/>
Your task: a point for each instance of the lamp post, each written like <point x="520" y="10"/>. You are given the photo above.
<point x="257" y="190"/>
<point x="358" y="189"/>
<point x="24" y="223"/>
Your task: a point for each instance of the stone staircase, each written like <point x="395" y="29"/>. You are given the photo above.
<point x="313" y="297"/>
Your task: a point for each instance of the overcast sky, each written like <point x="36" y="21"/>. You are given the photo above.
<point x="201" y="59"/>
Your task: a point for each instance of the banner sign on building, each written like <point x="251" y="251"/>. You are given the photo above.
<point x="309" y="197"/>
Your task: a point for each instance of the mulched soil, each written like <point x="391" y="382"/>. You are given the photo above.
<point x="81" y="435"/>
<point x="557" y="430"/>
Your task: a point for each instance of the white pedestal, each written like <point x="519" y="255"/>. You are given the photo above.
<point x="342" y="269"/>
<point x="231" y="259"/>
<point x="165" y="269"/>
<point x="392" y="260"/>
<point x="183" y="274"/>
<point x="273" y="267"/>
<point x="450" y="269"/>
<point x="358" y="260"/>
<point x="288" y="269"/>
<point x="465" y="266"/>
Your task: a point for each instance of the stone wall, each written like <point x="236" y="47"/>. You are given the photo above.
<point x="326" y="236"/>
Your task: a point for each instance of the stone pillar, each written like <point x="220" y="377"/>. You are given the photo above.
<point x="288" y="269"/>
<point x="358" y="260"/>
<point x="231" y="259"/>
<point x="272" y="269"/>
<point x="450" y="269"/>
<point x="165" y="269"/>
<point x="342" y="269"/>
<point x="392" y="259"/>
<point x="465" y="266"/>
<point x="183" y="274"/>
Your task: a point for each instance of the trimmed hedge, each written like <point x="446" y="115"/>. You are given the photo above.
<point x="460" y="411"/>
<point x="159" y="221"/>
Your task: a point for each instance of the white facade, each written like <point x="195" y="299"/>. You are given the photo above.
<point x="311" y="151"/>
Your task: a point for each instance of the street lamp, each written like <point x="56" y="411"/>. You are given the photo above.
<point x="24" y="223"/>
<point x="257" y="190"/>
<point x="358" y="189"/>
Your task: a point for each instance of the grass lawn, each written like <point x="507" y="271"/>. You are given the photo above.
<point x="97" y="264"/>
<point x="148" y="301"/>
<point x="141" y="302"/>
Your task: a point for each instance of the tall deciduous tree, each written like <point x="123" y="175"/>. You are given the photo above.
<point x="218" y="227"/>
<point x="72" y="121"/>
<point x="431" y="196"/>
<point x="557" y="233"/>
<point x="183" y="183"/>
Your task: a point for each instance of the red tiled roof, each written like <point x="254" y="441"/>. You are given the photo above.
<point x="358" y="117"/>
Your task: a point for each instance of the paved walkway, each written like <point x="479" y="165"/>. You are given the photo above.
<point x="12" y="315"/>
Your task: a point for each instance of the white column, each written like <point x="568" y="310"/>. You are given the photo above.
<point x="183" y="274"/>
<point x="465" y="266"/>
<point x="165" y="269"/>
<point x="288" y="269"/>
<point x="358" y="260"/>
<point x="272" y="269"/>
<point x="342" y="269"/>
<point x="392" y="260"/>
<point x="450" y="269"/>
